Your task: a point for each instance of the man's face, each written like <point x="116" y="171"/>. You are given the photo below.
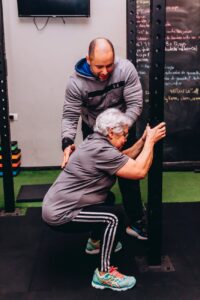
<point x="102" y="65"/>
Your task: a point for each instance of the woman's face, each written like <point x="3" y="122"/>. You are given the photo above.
<point x="118" y="140"/>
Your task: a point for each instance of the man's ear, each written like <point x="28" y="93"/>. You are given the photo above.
<point x="88" y="59"/>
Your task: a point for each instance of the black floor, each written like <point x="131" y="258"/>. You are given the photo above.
<point x="38" y="263"/>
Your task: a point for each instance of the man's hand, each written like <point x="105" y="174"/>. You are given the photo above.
<point x="67" y="152"/>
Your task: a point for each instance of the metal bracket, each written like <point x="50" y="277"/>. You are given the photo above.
<point x="165" y="266"/>
<point x="18" y="212"/>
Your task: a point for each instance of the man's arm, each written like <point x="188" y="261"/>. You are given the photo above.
<point x="133" y="94"/>
<point x="138" y="168"/>
<point x="71" y="113"/>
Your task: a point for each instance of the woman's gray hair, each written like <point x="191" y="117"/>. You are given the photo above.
<point x="111" y="118"/>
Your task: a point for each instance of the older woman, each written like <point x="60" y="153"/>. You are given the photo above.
<point x="76" y="200"/>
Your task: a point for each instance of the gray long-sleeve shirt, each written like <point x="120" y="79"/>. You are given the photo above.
<point x="86" y="96"/>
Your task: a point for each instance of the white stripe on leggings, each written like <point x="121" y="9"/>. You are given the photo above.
<point x="109" y="234"/>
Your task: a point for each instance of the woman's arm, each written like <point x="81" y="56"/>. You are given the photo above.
<point x="136" y="148"/>
<point x="138" y="168"/>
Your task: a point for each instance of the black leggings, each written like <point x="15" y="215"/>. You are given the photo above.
<point x="105" y="222"/>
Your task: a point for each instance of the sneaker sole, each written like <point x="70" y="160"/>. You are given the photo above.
<point x="135" y="234"/>
<point x="97" y="251"/>
<point x="92" y="252"/>
<point x="102" y="287"/>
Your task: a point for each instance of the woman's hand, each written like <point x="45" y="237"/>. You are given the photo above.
<point x="156" y="133"/>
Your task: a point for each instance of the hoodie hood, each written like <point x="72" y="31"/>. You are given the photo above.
<point x="83" y="68"/>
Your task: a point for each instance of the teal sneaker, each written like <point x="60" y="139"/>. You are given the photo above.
<point x="113" y="280"/>
<point x="137" y="230"/>
<point x="94" y="247"/>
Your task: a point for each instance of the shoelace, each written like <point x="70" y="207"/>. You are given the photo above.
<point x="113" y="271"/>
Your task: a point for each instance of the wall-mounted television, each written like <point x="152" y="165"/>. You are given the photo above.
<point x="53" y="8"/>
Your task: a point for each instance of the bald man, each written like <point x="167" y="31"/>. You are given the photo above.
<point x="102" y="81"/>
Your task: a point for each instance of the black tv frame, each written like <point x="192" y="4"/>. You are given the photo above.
<point x="53" y="8"/>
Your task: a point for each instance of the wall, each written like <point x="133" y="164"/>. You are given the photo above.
<point x="39" y="63"/>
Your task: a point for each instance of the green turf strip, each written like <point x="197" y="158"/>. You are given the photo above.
<point x="177" y="186"/>
<point x="26" y="178"/>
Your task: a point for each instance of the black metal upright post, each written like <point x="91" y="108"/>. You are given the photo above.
<point x="8" y="184"/>
<point x="131" y="30"/>
<point x="156" y="99"/>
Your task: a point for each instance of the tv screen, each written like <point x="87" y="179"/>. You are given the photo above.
<point x="53" y="8"/>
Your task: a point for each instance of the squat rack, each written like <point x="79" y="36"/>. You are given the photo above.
<point x="156" y="115"/>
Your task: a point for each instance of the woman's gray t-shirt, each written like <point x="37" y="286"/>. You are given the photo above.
<point x="86" y="179"/>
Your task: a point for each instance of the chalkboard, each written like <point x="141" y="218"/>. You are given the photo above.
<point x="182" y="76"/>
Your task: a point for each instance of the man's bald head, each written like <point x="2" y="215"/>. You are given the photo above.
<point x="100" y="46"/>
<point x="101" y="57"/>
